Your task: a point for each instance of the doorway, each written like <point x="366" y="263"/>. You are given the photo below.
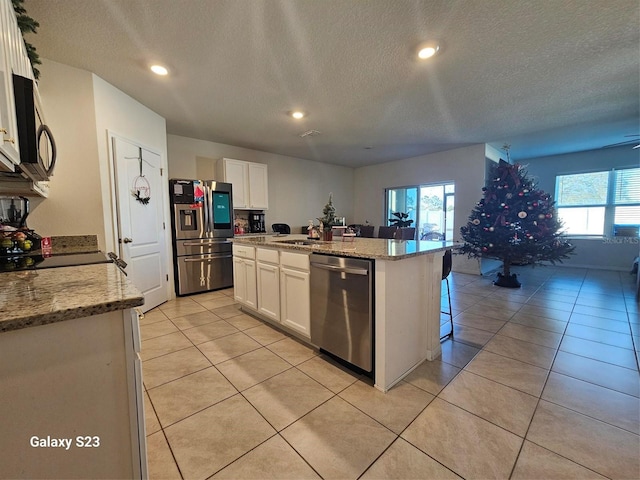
<point x="430" y="206"/>
<point x="139" y="222"/>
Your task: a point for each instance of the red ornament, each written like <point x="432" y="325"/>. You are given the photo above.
<point x="521" y="194"/>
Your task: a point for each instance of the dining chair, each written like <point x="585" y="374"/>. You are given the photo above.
<point x="282" y="228"/>
<point x="367" y="231"/>
<point x="406" y="233"/>
<point x="387" y="232"/>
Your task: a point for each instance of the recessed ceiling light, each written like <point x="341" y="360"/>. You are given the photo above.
<point x="428" y="50"/>
<point x="159" y="70"/>
<point x="297" y="114"/>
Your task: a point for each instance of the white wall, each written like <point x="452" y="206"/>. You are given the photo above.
<point x="463" y="166"/>
<point x="298" y="189"/>
<point x="616" y="253"/>
<point x="118" y="113"/>
<point x="82" y="109"/>
<point x="75" y="202"/>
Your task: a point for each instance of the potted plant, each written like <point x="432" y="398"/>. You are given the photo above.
<point x="328" y="219"/>
<point x="400" y="221"/>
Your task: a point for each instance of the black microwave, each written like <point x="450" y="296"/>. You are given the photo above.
<point x="35" y="141"/>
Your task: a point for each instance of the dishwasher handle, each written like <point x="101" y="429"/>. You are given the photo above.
<point x="204" y="259"/>
<point x="353" y="271"/>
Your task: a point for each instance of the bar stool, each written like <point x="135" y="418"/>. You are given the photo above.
<point x="447" y="261"/>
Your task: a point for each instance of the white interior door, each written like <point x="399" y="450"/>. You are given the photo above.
<point x="141" y="234"/>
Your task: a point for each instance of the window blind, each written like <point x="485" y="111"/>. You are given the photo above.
<point x="627" y="187"/>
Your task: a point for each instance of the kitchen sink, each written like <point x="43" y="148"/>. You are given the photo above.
<point x="302" y="242"/>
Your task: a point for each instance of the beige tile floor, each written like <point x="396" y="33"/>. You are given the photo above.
<point x="538" y="383"/>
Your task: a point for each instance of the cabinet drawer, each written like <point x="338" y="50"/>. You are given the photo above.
<point x="244" y="252"/>
<point x="267" y="255"/>
<point x="295" y="260"/>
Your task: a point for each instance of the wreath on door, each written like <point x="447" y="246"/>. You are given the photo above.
<point x="141" y="190"/>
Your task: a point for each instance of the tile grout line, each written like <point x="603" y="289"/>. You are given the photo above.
<point x="539" y="398"/>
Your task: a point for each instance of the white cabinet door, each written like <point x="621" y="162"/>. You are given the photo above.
<point x="269" y="290"/>
<point x="244" y="282"/>
<point x="236" y="172"/>
<point x="239" y="280"/>
<point x="252" y="287"/>
<point x="10" y="48"/>
<point x="294" y="300"/>
<point x="258" y="186"/>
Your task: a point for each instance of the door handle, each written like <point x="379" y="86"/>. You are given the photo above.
<point x="127" y="240"/>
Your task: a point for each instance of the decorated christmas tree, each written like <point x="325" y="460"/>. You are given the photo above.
<point x="515" y="223"/>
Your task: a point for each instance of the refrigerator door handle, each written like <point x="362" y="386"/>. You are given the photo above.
<point x="205" y="243"/>
<point x="211" y="212"/>
<point x="205" y="206"/>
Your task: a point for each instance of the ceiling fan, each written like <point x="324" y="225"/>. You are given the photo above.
<point x="626" y="142"/>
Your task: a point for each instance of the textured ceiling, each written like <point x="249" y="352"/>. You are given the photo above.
<point x="547" y="77"/>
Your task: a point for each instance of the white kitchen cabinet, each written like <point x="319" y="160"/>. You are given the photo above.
<point x="294" y="292"/>
<point x="236" y="172"/>
<point x="244" y="276"/>
<point x="250" y="183"/>
<point x="258" y="186"/>
<point x="87" y="381"/>
<point x="268" y="276"/>
<point x="294" y="300"/>
<point x="13" y="59"/>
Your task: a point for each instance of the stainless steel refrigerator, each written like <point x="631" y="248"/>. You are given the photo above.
<point x="202" y="224"/>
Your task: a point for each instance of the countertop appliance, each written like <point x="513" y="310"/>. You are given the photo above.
<point x="342" y="308"/>
<point x="14" y="211"/>
<point x="202" y="223"/>
<point x="256" y="223"/>
<point x="36" y="142"/>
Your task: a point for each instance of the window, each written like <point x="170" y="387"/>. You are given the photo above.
<point x="600" y="203"/>
<point x="429" y="206"/>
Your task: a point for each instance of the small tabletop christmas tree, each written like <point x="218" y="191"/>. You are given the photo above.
<point x="328" y="219"/>
<point x="514" y="222"/>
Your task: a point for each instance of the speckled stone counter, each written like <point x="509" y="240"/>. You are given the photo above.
<point x="74" y="244"/>
<point x="39" y="297"/>
<point x="370" y="248"/>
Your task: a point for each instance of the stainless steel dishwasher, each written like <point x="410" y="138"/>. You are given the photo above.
<point x="342" y="308"/>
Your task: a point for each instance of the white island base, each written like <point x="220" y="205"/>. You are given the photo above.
<point x="407" y="315"/>
<point x="406" y="296"/>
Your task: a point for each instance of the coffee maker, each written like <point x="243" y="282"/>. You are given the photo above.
<point x="14" y="211"/>
<point x="256" y="223"/>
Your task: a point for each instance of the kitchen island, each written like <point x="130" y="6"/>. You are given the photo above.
<point x="70" y="373"/>
<point x="407" y="290"/>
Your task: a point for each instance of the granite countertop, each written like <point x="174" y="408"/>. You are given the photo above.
<point x="39" y="297"/>
<point x="370" y="248"/>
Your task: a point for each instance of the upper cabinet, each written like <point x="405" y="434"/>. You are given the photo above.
<point x="13" y="59"/>
<point x="250" y="183"/>
<point x="258" y="186"/>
